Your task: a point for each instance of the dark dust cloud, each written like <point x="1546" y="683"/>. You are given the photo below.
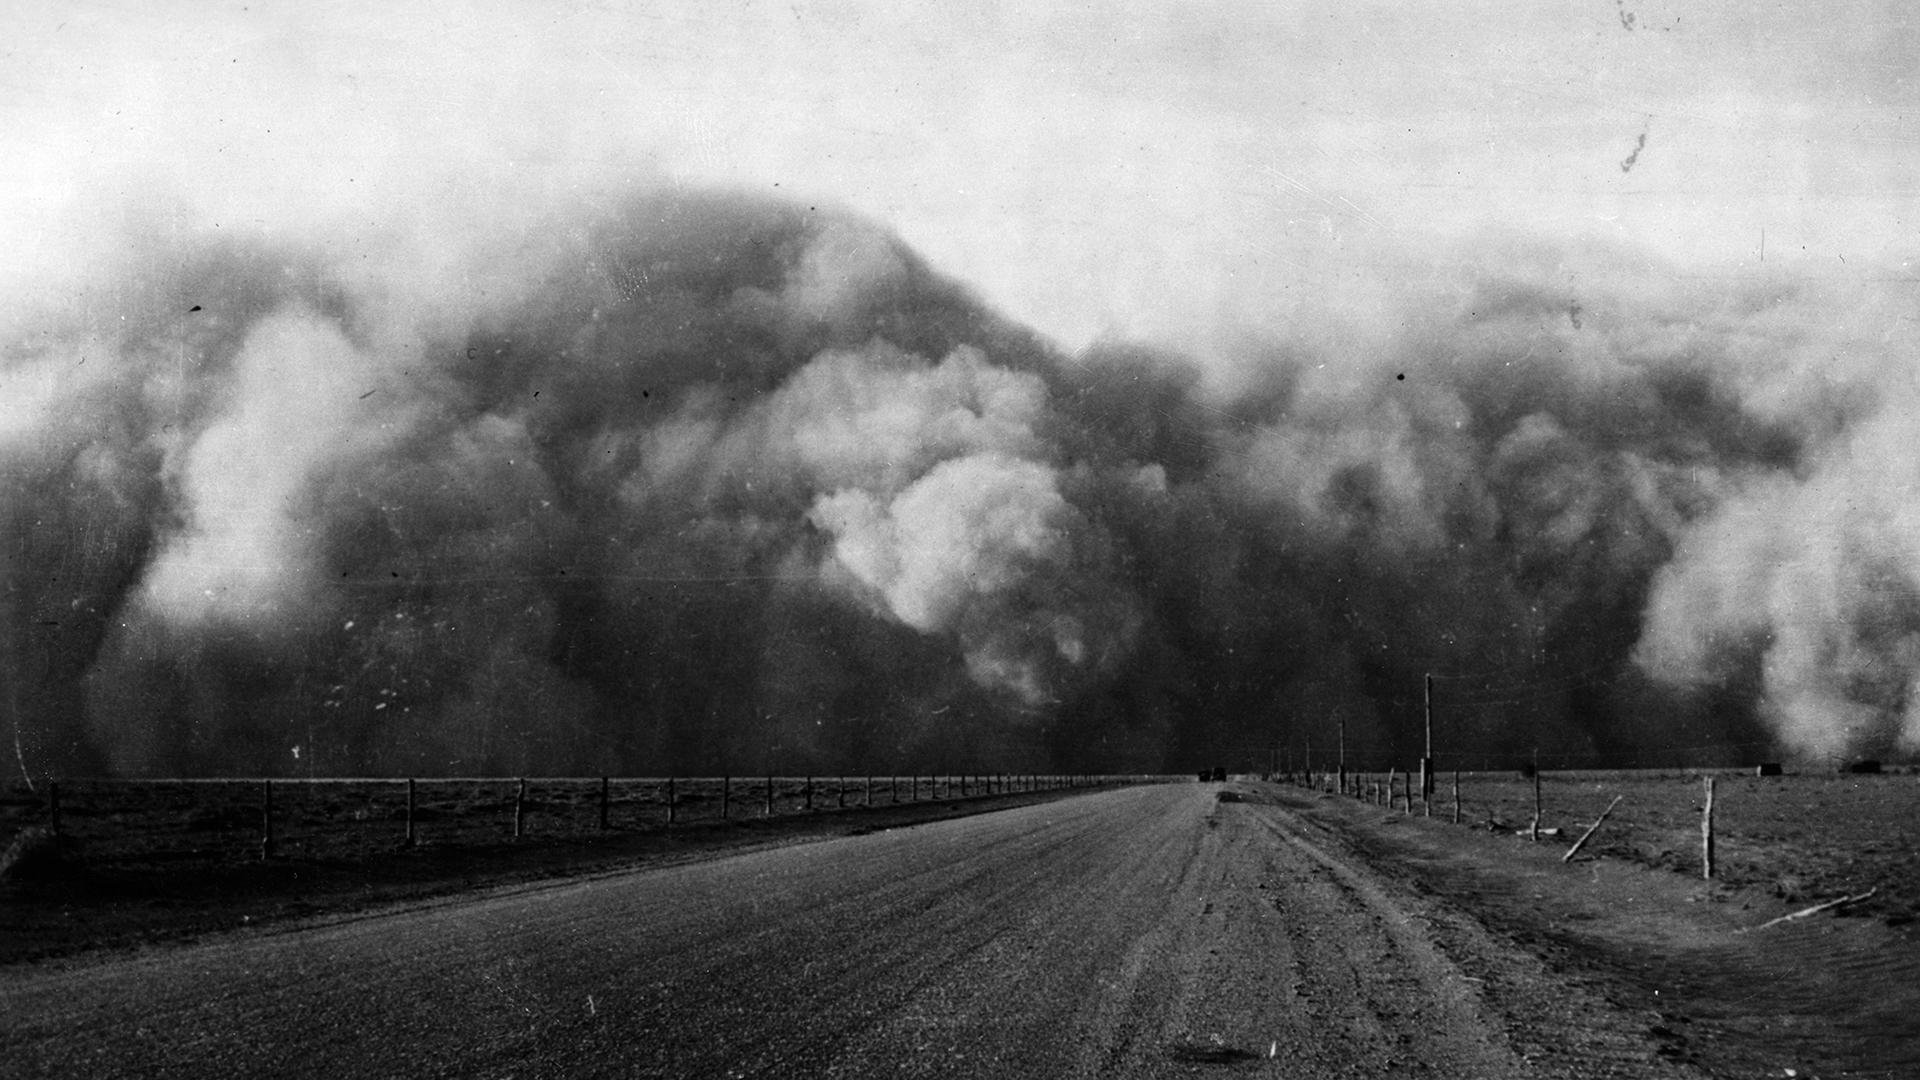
<point x="696" y="481"/>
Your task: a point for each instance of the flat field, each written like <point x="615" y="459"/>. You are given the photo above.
<point x="1800" y="837"/>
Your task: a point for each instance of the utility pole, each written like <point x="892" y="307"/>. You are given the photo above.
<point x="1426" y="762"/>
<point x="1343" y="751"/>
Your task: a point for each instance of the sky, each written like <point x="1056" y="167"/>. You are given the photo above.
<point x="1096" y="170"/>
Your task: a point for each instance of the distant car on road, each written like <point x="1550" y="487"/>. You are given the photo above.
<point x="1212" y="775"/>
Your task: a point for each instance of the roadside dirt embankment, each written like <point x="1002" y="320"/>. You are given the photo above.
<point x="1833" y="994"/>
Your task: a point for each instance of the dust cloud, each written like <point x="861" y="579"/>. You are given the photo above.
<point x="668" y="478"/>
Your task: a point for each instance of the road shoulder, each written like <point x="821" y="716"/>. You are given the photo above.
<point x="1681" y="964"/>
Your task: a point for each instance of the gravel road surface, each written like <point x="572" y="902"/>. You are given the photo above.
<point x="1155" y="931"/>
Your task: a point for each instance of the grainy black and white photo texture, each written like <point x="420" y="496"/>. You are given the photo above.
<point x="572" y="388"/>
<point x="1087" y="539"/>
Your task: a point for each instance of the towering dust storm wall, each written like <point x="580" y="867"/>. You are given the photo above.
<point x="701" y="481"/>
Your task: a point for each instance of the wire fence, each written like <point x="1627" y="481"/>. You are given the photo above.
<point x="157" y="821"/>
<point x="1797" y="834"/>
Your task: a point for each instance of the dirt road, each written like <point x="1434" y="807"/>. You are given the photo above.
<point x="1154" y="931"/>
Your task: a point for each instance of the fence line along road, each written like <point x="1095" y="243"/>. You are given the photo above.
<point x="319" y="817"/>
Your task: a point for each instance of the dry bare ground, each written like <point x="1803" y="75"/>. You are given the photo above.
<point x="1799" y="837"/>
<point x="1833" y="994"/>
<point x="1255" y="928"/>
<point x="138" y="862"/>
<point x="1143" y="932"/>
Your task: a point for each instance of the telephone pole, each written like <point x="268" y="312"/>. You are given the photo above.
<point x="1426" y="762"/>
<point x="1342" y="770"/>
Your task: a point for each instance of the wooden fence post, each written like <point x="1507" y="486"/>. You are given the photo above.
<point x="520" y="809"/>
<point x="726" y="795"/>
<point x="603" y="804"/>
<point x="806" y="793"/>
<point x="266" y="819"/>
<point x="1706" y="834"/>
<point x="1591" y="829"/>
<point x="1533" y="833"/>
<point x="840" y="789"/>
<point x="670" y="800"/>
<point x="769" y="794"/>
<point x="412" y="836"/>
